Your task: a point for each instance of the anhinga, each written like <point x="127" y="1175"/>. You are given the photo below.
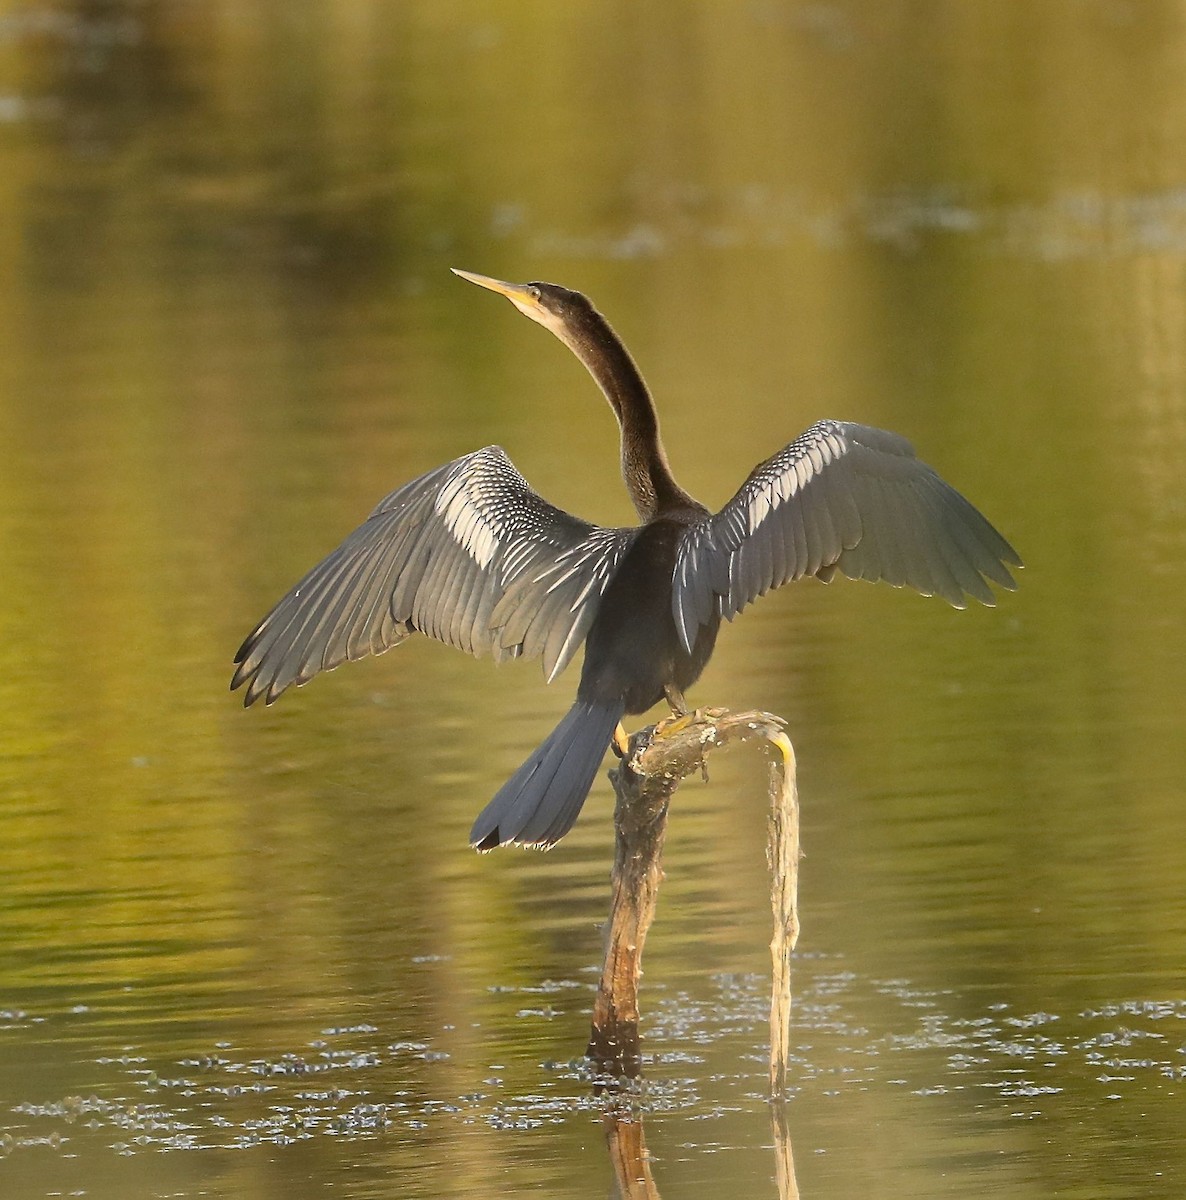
<point x="470" y="555"/>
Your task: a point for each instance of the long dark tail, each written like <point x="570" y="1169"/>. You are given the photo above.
<point x="539" y="803"/>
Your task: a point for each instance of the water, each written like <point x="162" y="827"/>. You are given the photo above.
<point x="248" y="954"/>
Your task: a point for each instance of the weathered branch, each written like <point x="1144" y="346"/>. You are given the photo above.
<point x="782" y="853"/>
<point x="657" y="760"/>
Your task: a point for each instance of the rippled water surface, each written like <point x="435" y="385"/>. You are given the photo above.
<point x="249" y="953"/>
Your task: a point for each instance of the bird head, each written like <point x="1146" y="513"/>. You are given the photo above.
<point x="559" y="309"/>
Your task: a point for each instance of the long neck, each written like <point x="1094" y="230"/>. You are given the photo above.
<point x="648" y="477"/>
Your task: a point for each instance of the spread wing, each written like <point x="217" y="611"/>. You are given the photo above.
<point x="840" y="497"/>
<point x="468" y="554"/>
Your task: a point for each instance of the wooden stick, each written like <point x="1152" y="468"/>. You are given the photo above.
<point x="657" y="760"/>
<point x="782" y="853"/>
<point x="640" y="825"/>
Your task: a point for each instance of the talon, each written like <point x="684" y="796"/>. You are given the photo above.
<point x="673" y="725"/>
<point x="620" y="742"/>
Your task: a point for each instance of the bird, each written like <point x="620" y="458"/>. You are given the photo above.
<point x="469" y="554"/>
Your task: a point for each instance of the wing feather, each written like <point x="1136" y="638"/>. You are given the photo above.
<point x="841" y="497"/>
<point x="884" y="548"/>
<point x="897" y="532"/>
<point x="442" y="555"/>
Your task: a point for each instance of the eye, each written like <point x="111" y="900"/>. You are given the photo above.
<point x="533" y="288"/>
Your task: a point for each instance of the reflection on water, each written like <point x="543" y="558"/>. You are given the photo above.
<point x="354" y="1086"/>
<point x="258" y="941"/>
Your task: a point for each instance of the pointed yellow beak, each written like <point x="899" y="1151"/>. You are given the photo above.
<point x="522" y="295"/>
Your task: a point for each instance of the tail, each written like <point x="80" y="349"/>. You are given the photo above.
<point x="539" y="803"/>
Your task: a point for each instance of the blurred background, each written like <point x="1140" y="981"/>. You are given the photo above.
<point x="250" y="954"/>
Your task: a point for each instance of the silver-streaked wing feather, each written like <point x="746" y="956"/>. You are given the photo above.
<point x="840" y="497"/>
<point x="468" y="554"/>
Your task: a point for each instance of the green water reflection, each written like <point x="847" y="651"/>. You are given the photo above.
<point x="227" y="327"/>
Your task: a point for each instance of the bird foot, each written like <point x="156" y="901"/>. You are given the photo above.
<point x="620" y="742"/>
<point x="672" y="725"/>
<point x="680" y="721"/>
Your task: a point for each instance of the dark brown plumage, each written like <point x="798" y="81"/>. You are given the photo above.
<point x="470" y="555"/>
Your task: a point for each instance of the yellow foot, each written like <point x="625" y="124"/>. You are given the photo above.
<point x="681" y="720"/>
<point x="620" y="743"/>
<point x="672" y="725"/>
